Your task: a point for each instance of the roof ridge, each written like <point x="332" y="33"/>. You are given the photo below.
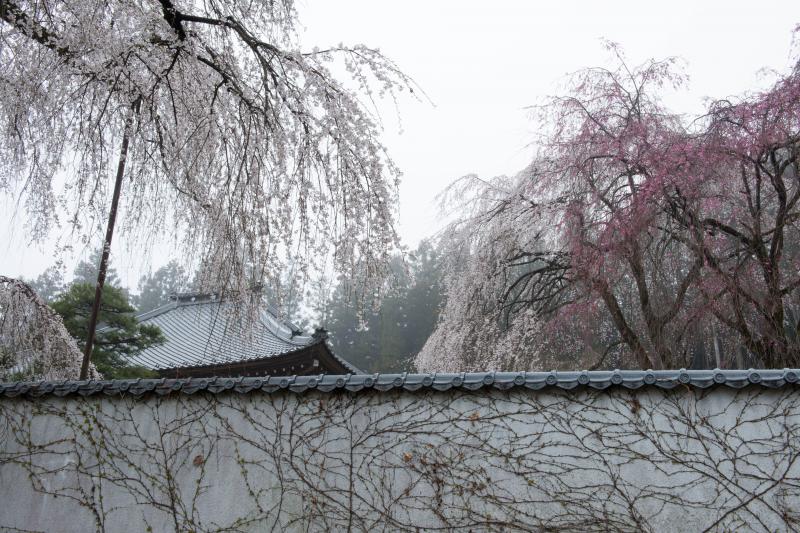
<point x="272" y="323"/>
<point x="190" y="298"/>
<point x="155" y="312"/>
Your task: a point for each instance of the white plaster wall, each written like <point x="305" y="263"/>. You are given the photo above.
<point x="681" y="460"/>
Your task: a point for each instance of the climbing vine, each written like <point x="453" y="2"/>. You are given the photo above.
<point x="489" y="460"/>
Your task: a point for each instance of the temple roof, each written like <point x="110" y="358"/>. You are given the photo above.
<point x="204" y="329"/>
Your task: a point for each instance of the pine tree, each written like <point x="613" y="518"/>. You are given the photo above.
<point x="120" y="336"/>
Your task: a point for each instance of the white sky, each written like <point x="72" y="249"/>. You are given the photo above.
<point x="482" y="63"/>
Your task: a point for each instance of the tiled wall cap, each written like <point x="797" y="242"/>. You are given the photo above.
<point x="411" y="382"/>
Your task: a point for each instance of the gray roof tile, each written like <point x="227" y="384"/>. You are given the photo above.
<point x="204" y="330"/>
<point x="631" y="379"/>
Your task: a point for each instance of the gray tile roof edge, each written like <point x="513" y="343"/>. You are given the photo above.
<point x="631" y="379"/>
<point x="271" y="321"/>
<point x="257" y="359"/>
<point x="347" y="364"/>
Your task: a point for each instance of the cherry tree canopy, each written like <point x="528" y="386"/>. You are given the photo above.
<point x="245" y="146"/>
<point x="34" y="344"/>
<point x="634" y="234"/>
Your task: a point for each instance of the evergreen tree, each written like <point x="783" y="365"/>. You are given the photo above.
<point x="156" y="288"/>
<point x="120" y="335"/>
<point x="385" y="339"/>
<point x="49" y="284"/>
<point x="86" y="271"/>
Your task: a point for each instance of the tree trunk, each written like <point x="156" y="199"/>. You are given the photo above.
<point x="112" y="219"/>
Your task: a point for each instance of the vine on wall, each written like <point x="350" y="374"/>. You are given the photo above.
<point x="614" y="460"/>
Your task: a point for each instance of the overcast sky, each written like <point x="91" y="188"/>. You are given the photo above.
<point x="483" y="63"/>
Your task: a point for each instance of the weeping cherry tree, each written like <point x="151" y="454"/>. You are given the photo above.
<point x="204" y="120"/>
<point x="635" y="238"/>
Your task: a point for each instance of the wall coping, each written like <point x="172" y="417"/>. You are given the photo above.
<point x="597" y="379"/>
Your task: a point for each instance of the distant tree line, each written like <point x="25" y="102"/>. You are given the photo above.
<point x="386" y="338"/>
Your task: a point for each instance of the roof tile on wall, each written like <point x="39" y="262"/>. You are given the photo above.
<point x="631" y="379"/>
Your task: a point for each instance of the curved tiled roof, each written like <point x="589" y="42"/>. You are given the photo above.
<point x="205" y="330"/>
<point x="632" y="379"/>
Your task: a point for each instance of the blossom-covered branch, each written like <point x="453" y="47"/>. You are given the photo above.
<point x="634" y="234"/>
<point x="34" y="344"/>
<point x="246" y="149"/>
